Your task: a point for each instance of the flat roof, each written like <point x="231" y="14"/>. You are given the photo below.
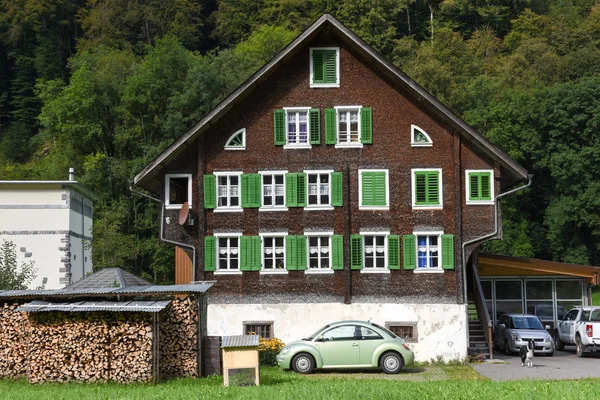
<point x="72" y="184"/>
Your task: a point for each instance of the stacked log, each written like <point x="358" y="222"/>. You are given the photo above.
<point x="131" y="348"/>
<point x="179" y="339"/>
<point x="14" y="326"/>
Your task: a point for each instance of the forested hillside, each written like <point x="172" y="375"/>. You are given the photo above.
<point x="105" y="85"/>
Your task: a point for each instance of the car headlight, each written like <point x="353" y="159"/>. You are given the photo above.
<point x="516" y="337"/>
<point x="548" y="338"/>
<point x="285" y="349"/>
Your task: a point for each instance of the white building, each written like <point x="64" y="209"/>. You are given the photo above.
<point x="50" y="222"/>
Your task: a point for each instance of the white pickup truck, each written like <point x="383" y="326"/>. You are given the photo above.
<point x="581" y="327"/>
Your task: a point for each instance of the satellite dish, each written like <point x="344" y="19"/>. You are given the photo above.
<point x="183" y="214"/>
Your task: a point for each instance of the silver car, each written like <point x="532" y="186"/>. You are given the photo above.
<point x="514" y="331"/>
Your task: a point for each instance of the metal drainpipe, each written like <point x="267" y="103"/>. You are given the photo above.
<point x="465" y="244"/>
<point x="162" y="222"/>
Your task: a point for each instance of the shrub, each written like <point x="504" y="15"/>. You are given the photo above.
<point x="268" y="350"/>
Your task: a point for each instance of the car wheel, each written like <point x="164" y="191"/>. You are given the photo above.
<point x="506" y="348"/>
<point x="391" y="362"/>
<point x="303" y="363"/>
<point x="579" y="347"/>
<point x="558" y="344"/>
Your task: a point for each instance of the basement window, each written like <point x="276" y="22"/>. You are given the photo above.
<point x="404" y="330"/>
<point x="178" y="190"/>
<point x="262" y="328"/>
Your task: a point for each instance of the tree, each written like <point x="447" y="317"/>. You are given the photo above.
<point x="12" y="276"/>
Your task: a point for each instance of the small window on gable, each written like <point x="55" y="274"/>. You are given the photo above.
<point x="178" y="190"/>
<point x="324" y="67"/>
<point x="237" y="141"/>
<point x="419" y="138"/>
<point x="480" y="188"/>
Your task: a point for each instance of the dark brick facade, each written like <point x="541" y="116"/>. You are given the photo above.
<point x="394" y="110"/>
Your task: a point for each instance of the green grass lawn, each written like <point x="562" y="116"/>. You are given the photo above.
<point x="596" y="296"/>
<point x="462" y="383"/>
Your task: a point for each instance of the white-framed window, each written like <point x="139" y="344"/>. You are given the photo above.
<point x="348" y="126"/>
<point x="237" y="141"/>
<point x="273" y="190"/>
<point x="228" y="191"/>
<point x="479" y="186"/>
<point x="273" y="252"/>
<point x="297" y="128"/>
<point x="178" y="190"/>
<point x="374" y="189"/>
<point x="319" y="252"/>
<point x="318" y="189"/>
<point x="375" y="252"/>
<point x="429" y="251"/>
<point x="419" y="138"/>
<point x="426" y="184"/>
<point x="228" y="252"/>
<point x="324" y="67"/>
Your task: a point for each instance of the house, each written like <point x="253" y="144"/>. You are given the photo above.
<point x="50" y="222"/>
<point x="331" y="186"/>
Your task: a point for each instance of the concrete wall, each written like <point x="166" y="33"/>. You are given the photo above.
<point x="442" y="329"/>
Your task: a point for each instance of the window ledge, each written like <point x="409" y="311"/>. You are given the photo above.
<point x="428" y="270"/>
<point x="375" y="271"/>
<point x="173" y="206"/>
<point x="274" y="272"/>
<point x="374" y="208"/>
<point x="297" y="146"/>
<point x="480" y="202"/>
<point x="235" y="147"/>
<point x="217" y="272"/>
<point x="321" y="271"/>
<point x="424" y="207"/>
<point x="273" y="209"/>
<point x="324" y="85"/>
<point x="318" y="208"/>
<point x="421" y="144"/>
<point x="228" y="209"/>
<point x="349" y="146"/>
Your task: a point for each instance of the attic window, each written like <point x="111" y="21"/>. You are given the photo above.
<point x="325" y="67"/>
<point x="178" y="190"/>
<point x="419" y="138"/>
<point x="237" y="141"/>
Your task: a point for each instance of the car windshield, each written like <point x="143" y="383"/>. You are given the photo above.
<point x="314" y="335"/>
<point x="386" y="330"/>
<point x="526" y="323"/>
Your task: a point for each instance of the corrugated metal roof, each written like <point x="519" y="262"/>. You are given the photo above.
<point x="240" y="341"/>
<point x="200" y="287"/>
<point x="86" y="306"/>
<point x="109" y="278"/>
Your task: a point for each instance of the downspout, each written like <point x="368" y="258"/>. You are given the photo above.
<point x="162" y="222"/>
<point x="490" y="235"/>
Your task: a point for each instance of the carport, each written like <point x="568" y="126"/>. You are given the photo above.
<point x="547" y="289"/>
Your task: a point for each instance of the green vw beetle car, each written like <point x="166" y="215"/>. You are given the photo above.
<point x="347" y="344"/>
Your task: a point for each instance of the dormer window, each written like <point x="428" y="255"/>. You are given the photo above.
<point x="178" y="190"/>
<point x="237" y="141"/>
<point x="324" y="67"/>
<point x="419" y="138"/>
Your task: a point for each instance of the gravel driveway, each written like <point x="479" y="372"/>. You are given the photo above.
<point x="563" y="365"/>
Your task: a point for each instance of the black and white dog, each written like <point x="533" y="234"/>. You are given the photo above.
<point x="526" y="353"/>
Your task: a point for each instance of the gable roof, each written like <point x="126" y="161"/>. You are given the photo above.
<point x="109" y="278"/>
<point x="516" y="172"/>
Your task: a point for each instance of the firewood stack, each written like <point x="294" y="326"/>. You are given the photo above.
<point x="14" y="327"/>
<point x="179" y="339"/>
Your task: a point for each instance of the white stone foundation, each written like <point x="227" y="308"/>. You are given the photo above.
<point x="442" y="329"/>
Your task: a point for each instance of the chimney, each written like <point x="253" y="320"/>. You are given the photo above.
<point x="71" y="174"/>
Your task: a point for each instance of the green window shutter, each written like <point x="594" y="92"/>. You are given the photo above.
<point x="318" y="70"/>
<point x="291" y="257"/>
<point x="374" y="190"/>
<point x="255" y="244"/>
<point x="337" y="194"/>
<point x="473" y="186"/>
<point x="410" y="251"/>
<point x="210" y="253"/>
<point x="291" y="190"/>
<point x="486" y="186"/>
<point x="427" y="188"/>
<point x="315" y="126"/>
<point x="337" y="252"/>
<point x="393" y="252"/>
<point x="480" y="186"/>
<point x="367" y="189"/>
<point x="250" y="190"/>
<point x="245" y="254"/>
<point x="210" y="191"/>
<point x="330" y="126"/>
<point x="356" y="250"/>
<point x="448" y="251"/>
<point x="301" y="189"/>
<point x="279" y="126"/>
<point x="300" y="253"/>
<point x="366" y="125"/>
<point x="330" y="66"/>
